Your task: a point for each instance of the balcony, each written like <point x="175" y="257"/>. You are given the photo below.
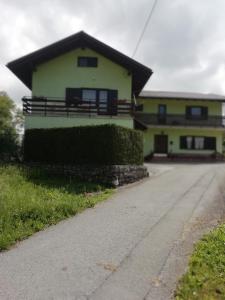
<point x="175" y="120"/>
<point x="41" y="106"/>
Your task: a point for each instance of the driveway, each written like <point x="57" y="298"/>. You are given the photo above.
<point x="133" y="246"/>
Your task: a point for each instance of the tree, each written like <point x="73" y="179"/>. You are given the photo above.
<point x="10" y="123"/>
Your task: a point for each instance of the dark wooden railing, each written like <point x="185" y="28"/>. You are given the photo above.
<point x="61" y="107"/>
<point x="179" y="120"/>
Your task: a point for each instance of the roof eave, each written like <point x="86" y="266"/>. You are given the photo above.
<point x="180" y="99"/>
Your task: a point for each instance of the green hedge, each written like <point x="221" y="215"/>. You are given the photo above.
<point x="99" y="145"/>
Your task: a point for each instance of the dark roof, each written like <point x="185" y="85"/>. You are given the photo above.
<point x="180" y="96"/>
<point x="24" y="66"/>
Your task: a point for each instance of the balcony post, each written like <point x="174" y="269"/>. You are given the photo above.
<point x="45" y="106"/>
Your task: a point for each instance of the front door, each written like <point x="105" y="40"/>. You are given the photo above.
<point x="161" y="143"/>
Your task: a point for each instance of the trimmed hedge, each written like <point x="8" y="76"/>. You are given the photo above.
<point x="96" y="145"/>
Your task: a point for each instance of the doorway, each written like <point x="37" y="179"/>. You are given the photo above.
<point x="161" y="143"/>
<point x="162" y="114"/>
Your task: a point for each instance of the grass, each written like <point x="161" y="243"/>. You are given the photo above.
<point x="31" y="201"/>
<point x="205" y="278"/>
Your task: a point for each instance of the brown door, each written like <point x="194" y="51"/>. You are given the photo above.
<point x="161" y="143"/>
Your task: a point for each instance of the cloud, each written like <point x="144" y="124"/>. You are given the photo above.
<point x="184" y="43"/>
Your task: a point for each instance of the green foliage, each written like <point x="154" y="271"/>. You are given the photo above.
<point x="10" y="118"/>
<point x="30" y="201"/>
<point x="100" y="145"/>
<point x="205" y="278"/>
<point x="18" y="120"/>
<point x="6" y="109"/>
<point x="8" y="143"/>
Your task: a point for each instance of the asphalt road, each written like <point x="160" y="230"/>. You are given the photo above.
<point x="133" y="246"/>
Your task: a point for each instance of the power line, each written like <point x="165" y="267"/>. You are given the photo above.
<point x="145" y="27"/>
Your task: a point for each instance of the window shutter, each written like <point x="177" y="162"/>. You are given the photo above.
<point x="73" y="96"/>
<point x="92" y="62"/>
<point x="183" y="142"/>
<point x="210" y="143"/>
<point x="112" y="105"/>
<point x="188" y="112"/>
<point x="205" y="113"/>
<point x="213" y="143"/>
<point x="113" y="95"/>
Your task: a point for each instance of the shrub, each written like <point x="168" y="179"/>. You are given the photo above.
<point x="96" y="145"/>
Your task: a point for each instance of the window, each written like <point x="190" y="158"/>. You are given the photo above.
<point x="103" y="98"/>
<point x="162" y="109"/>
<point x="103" y="101"/>
<point x="197" y="143"/>
<point x="89" y="95"/>
<point x="196" y="112"/>
<point x="189" y="142"/>
<point x="87" y="62"/>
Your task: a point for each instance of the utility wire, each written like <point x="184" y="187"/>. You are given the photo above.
<point x="145" y="27"/>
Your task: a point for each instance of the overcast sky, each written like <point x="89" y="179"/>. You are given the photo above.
<point x="184" y="43"/>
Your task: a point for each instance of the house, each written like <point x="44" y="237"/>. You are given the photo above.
<point x="181" y="124"/>
<point x="75" y="82"/>
<point x="82" y="81"/>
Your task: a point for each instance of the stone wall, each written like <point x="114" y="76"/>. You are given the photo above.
<point x="115" y="175"/>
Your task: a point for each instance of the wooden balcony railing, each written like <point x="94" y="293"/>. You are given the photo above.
<point x="179" y="120"/>
<point x="60" y="107"/>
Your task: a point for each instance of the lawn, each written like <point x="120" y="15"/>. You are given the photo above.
<point x="31" y="201"/>
<point x="205" y="278"/>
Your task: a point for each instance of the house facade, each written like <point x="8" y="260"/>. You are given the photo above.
<point x="81" y="81"/>
<point x="181" y="123"/>
<point x="63" y="79"/>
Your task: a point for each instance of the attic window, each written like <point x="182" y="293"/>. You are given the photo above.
<point x="87" y="62"/>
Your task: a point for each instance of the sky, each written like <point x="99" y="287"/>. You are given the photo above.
<point x="184" y="43"/>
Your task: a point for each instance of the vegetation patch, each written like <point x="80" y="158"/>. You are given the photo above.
<point x="84" y="145"/>
<point x="205" y="278"/>
<point x="11" y="121"/>
<point x="30" y="201"/>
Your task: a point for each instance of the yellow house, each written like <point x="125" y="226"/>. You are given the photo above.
<point x="82" y="81"/>
<point x="181" y="124"/>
